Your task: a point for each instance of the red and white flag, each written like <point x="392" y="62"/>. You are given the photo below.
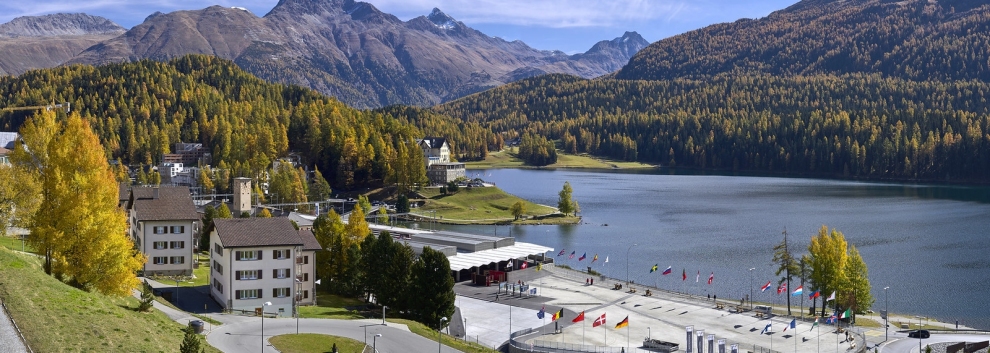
<point x="711" y="278"/>
<point x="782" y="288"/>
<point x="523" y="266"/>
<point x="599" y="321"/>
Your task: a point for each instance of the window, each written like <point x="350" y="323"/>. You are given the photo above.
<point x="280" y="292"/>
<point x="218" y="249"/>
<point x="177" y="260"/>
<point x="305" y="294"/>
<point x="159" y="245"/>
<point x="218" y="285"/>
<point x="248" y="274"/>
<point x="247" y="294"/>
<point x="280" y="273"/>
<point x="158" y="230"/>
<point x="248" y="255"/>
<point x="305" y="260"/>
<point x="218" y="267"/>
<point x="177" y="244"/>
<point x="178" y="229"/>
<point x="281" y="254"/>
<point x="159" y="260"/>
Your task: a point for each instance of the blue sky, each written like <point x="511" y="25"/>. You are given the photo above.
<point x="568" y="25"/>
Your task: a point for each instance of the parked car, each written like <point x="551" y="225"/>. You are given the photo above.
<point x="919" y="334"/>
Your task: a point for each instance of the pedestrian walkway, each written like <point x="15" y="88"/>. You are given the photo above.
<point x="10" y="341"/>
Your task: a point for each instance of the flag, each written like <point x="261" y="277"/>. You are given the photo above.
<point x="594" y="258"/>
<point x="798" y="291"/>
<point x="508" y="265"/>
<point x="572" y="255"/>
<point x="654" y="268"/>
<point x="765" y="287"/>
<point x="561" y="252"/>
<point x="683" y="274"/>
<point x="539" y="314"/>
<point x="831" y="297"/>
<point x="711" y="278"/>
<point x="539" y="266"/>
<point x="557" y="315"/>
<point x="667" y="271"/>
<point x="579" y="318"/>
<point x="765" y="329"/>
<point x="523" y="266"/>
<point x="814" y="324"/>
<point x="532" y="291"/>
<point x="697" y="278"/>
<point x="782" y="288"/>
<point x="623" y="323"/>
<point x="599" y="321"/>
<point x="792" y="325"/>
<point x="830" y="319"/>
<point x="606" y="260"/>
<point x="583" y="256"/>
<point x="814" y="295"/>
<point x="846" y="314"/>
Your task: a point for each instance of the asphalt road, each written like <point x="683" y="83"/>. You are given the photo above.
<point x="246" y="336"/>
<point x="908" y="345"/>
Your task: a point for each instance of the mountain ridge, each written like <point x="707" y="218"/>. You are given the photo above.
<point x="33" y="42"/>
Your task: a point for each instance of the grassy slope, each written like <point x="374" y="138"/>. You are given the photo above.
<point x="14" y="243"/>
<point x="507" y="159"/>
<point x="463" y="346"/>
<point x="58" y="318"/>
<point x="480" y="206"/>
<point x="315" y="343"/>
<point x="329" y="306"/>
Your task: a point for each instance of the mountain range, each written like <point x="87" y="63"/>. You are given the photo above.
<point x="353" y="51"/>
<point x="51" y="40"/>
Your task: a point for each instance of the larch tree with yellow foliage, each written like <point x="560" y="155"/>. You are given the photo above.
<point x="357" y="227"/>
<point x="79" y="230"/>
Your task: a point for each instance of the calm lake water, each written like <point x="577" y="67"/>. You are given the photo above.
<point x="929" y="243"/>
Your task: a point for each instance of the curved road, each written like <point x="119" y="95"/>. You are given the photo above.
<point x="909" y="345"/>
<point x="245" y="336"/>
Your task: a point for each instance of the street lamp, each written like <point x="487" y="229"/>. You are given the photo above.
<point x="627" y="262"/>
<point x="751" y="288"/>
<point x="374" y="343"/>
<point x="176" y="291"/>
<point x="886" y="315"/>
<point x="439" y="335"/>
<point x="383" y="313"/>
<point x="263" y="324"/>
<point x="649" y="333"/>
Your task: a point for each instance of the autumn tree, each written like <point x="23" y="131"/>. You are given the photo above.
<point x="83" y="234"/>
<point x="357" y="227"/>
<point x="518" y="209"/>
<point x="364" y="204"/>
<point x="320" y="189"/>
<point x="224" y="212"/>
<point x="264" y="213"/>
<point x="828" y="261"/>
<point x="565" y="202"/>
<point x="205" y="180"/>
<point x="287" y="184"/>
<point x="19" y="197"/>
<point x="858" y="296"/>
<point x="433" y="287"/>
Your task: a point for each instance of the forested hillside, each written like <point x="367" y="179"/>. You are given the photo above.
<point x="867" y="126"/>
<point x="139" y="110"/>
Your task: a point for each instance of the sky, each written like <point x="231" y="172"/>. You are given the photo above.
<point x="572" y="26"/>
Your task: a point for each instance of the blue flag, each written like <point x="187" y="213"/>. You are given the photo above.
<point x="539" y="314"/>
<point x="765" y="329"/>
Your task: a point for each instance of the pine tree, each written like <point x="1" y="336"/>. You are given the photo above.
<point x="433" y="288"/>
<point x="147" y="297"/>
<point x="786" y="265"/>
<point x="191" y="342"/>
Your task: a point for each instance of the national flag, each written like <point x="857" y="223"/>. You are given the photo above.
<point x="508" y="265"/>
<point x="814" y="295"/>
<point x="667" y="271"/>
<point x="697" y="278"/>
<point x="579" y="318"/>
<point x="814" y="324"/>
<point x="792" y="325"/>
<point x="830" y="319"/>
<point x="541" y="313"/>
<point x="683" y="274"/>
<point x="572" y="255"/>
<point x="831" y="297"/>
<point x="532" y="291"/>
<point x="583" y="256"/>
<point x="798" y="291"/>
<point x="523" y="266"/>
<point x="711" y="278"/>
<point x="599" y="321"/>
<point x="782" y="288"/>
<point x="594" y="258"/>
<point x="623" y="323"/>
<point x="561" y="252"/>
<point x="765" y="287"/>
<point x="557" y="315"/>
<point x="846" y="314"/>
<point x="765" y="329"/>
<point x="654" y="268"/>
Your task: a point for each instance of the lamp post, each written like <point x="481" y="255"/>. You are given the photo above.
<point x="886" y="315"/>
<point x="439" y="335"/>
<point x="751" y="288"/>
<point x="627" y="262"/>
<point x="374" y="343"/>
<point x="383" y="314"/>
<point x="649" y="333"/>
<point x="263" y="324"/>
<point x="176" y="291"/>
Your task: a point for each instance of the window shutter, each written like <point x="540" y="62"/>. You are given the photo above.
<point x="259" y="273"/>
<point x="237" y="255"/>
<point x="274" y="273"/>
<point x="237" y="275"/>
<point x="182" y="229"/>
<point x="260" y="294"/>
<point x="305" y="260"/>
<point x="237" y="294"/>
<point x="259" y="254"/>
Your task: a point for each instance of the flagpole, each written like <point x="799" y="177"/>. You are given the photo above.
<point x="582" y="333"/>
<point x="772" y="303"/>
<point x="628" y="347"/>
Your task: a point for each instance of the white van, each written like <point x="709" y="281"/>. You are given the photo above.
<point x="763" y="309"/>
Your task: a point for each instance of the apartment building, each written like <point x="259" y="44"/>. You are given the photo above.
<point x="162" y="223"/>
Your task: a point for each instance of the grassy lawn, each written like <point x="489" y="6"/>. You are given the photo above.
<point x="314" y="343"/>
<point x="487" y="205"/>
<point x="201" y="275"/>
<point x="329" y="306"/>
<point x="14" y="243"/>
<point x="58" y="318"/>
<point x="422" y="330"/>
<point x="507" y="159"/>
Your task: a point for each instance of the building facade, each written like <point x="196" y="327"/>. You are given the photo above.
<point x="162" y="222"/>
<point x="442" y="173"/>
<point x="435" y="150"/>
<point x="258" y="260"/>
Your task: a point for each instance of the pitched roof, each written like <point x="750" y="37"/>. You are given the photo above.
<point x="309" y="240"/>
<point x="435" y="142"/>
<point x="250" y="232"/>
<point x="172" y="203"/>
<point x="7" y="139"/>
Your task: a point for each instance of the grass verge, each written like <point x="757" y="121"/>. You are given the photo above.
<point x="314" y="343"/>
<point x="200" y="277"/>
<point x="507" y="159"/>
<point x="329" y="306"/>
<point x="463" y="346"/>
<point x="488" y="205"/>
<point x="58" y="318"/>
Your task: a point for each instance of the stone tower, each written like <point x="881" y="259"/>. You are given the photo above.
<point x="242" y="196"/>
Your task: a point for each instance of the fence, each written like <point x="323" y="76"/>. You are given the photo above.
<point x="20" y="334"/>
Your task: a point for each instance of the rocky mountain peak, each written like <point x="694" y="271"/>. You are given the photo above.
<point x="59" y="25"/>
<point x="441" y="19"/>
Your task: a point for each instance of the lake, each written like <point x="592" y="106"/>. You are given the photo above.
<point x="928" y="243"/>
